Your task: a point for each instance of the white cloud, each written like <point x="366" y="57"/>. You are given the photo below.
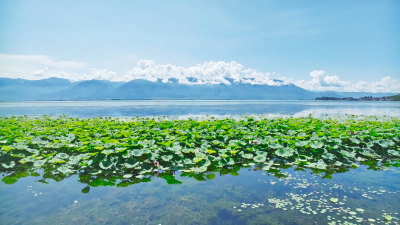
<point x="206" y="73"/>
<point x="321" y="81"/>
<point x="36" y="67"/>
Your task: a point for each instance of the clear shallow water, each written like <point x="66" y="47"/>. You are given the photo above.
<point x="197" y="108"/>
<point x="249" y="197"/>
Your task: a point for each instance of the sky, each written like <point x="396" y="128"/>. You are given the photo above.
<point x="318" y="45"/>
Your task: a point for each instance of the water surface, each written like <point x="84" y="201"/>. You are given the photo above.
<point x="197" y="107"/>
<point x="249" y="196"/>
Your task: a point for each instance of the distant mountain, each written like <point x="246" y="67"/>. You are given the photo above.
<point x="20" y="89"/>
<point x="143" y="89"/>
<point x="395" y="97"/>
<point x="61" y="89"/>
<point x="365" y="98"/>
<point x="352" y="94"/>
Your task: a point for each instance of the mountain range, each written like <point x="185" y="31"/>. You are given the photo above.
<point x="62" y="89"/>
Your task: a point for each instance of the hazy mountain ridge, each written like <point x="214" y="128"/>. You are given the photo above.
<point x="62" y="89"/>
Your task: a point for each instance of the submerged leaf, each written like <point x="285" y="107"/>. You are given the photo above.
<point x="9" y="179"/>
<point x="85" y="190"/>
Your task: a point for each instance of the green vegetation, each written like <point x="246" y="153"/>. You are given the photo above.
<point x="395" y="97"/>
<point x="110" y="151"/>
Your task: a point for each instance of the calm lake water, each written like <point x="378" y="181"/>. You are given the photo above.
<point x="195" y="108"/>
<point x="248" y="196"/>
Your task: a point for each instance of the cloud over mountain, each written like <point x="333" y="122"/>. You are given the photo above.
<point x="321" y="81"/>
<point x="207" y="73"/>
<point x="35" y="67"/>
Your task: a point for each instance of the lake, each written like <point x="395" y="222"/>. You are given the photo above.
<point x="369" y="194"/>
<point x="198" y="108"/>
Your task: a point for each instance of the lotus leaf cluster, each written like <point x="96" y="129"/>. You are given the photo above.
<point x="116" y="151"/>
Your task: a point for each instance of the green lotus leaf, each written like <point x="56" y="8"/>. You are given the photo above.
<point x="33" y="151"/>
<point x="220" y="164"/>
<point x="338" y="163"/>
<point x="247" y="156"/>
<point x="85" y="190"/>
<point x="107" y="163"/>
<point x="355" y="141"/>
<point x="320" y="165"/>
<point x="198" y="159"/>
<point x="223" y="155"/>
<point x="120" y="149"/>
<point x="210" y="176"/>
<point x="385" y="143"/>
<point x="146" y="151"/>
<point x="230" y="161"/>
<point x="39" y="163"/>
<point x="127" y="175"/>
<point x="329" y="156"/>
<point x="334" y="200"/>
<point x="171" y="179"/>
<point x="387" y="217"/>
<point x="21" y="146"/>
<point x="65" y="169"/>
<point x="348" y="154"/>
<point x="260" y="158"/>
<point x="284" y="152"/>
<point x="96" y="172"/>
<point x="62" y="156"/>
<point x="200" y="169"/>
<point x="137" y="152"/>
<point x="88" y="145"/>
<point x="7" y="148"/>
<point x="187" y="161"/>
<point x="302" y="143"/>
<point x="9" y="179"/>
<point x="301" y="134"/>
<point x="74" y="159"/>
<point x="107" y="152"/>
<point x="264" y="153"/>
<point x="214" y="158"/>
<point x="394" y="153"/>
<point x="166" y="158"/>
<point x="274" y="145"/>
<point x="11" y="164"/>
<point x="316" y="144"/>
<point x="130" y="163"/>
<point x="176" y="148"/>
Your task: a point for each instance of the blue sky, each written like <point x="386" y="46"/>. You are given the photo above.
<point x="354" y="41"/>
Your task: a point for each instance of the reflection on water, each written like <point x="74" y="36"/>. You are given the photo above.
<point x="248" y="197"/>
<point x="184" y="107"/>
<point x="276" y="192"/>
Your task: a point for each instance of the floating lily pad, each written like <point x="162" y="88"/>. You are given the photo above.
<point x="387" y="217"/>
<point x="334" y="200"/>
<point x="284" y="152"/>
<point x="259" y="158"/>
<point x="166" y="157"/>
<point x="11" y="164"/>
